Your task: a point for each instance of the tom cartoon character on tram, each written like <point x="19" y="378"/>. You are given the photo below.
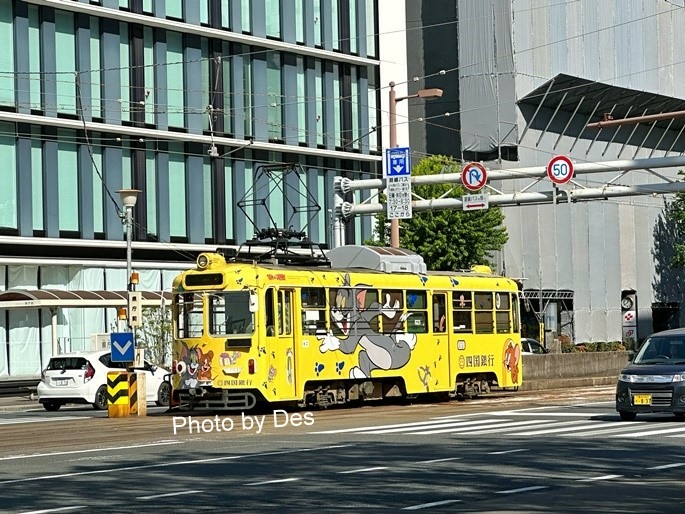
<point x="358" y="324"/>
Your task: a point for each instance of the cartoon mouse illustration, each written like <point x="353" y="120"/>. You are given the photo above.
<point x="512" y="354"/>
<point x="356" y="324"/>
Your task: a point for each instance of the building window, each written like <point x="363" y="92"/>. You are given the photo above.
<point x="8" y="177"/>
<point x="177" y="192"/>
<point x="7" y="53"/>
<point x="174" y="70"/>
<point x="273" y="18"/>
<point x="65" y="62"/>
<point x="274" y="96"/>
<point x="66" y="168"/>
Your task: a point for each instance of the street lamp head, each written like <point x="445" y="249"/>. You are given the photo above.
<point x="129" y="196"/>
<point x="434" y="92"/>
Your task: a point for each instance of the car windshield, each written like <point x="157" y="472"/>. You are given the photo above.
<point x="662" y="350"/>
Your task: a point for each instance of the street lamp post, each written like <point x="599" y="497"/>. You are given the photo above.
<point x="128" y="199"/>
<point x="393" y="99"/>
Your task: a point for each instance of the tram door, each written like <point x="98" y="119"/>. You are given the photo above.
<point x="440" y="331"/>
<point x="280" y="343"/>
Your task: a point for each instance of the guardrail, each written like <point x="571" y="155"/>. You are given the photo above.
<point x="18" y="387"/>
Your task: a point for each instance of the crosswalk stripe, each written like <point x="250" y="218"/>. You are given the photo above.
<point x="653" y="432"/>
<point x="564" y="429"/>
<point x="452" y="425"/>
<point x="17" y="421"/>
<point x="621" y="427"/>
<point x="528" y="425"/>
<point x="377" y="427"/>
<point x="500" y="427"/>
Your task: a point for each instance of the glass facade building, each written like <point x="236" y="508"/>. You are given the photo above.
<point x="183" y="101"/>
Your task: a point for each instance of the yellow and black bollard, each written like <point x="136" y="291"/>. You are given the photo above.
<point x="118" y="394"/>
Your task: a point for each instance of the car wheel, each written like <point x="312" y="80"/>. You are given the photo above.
<point x="100" y="402"/>
<point x="164" y="394"/>
<point x="52" y="406"/>
<point x="628" y="416"/>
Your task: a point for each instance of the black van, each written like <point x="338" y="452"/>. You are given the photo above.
<point x="654" y="381"/>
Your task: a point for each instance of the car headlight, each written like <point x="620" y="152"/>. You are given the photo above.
<point x="625" y="377"/>
<point x="679" y="377"/>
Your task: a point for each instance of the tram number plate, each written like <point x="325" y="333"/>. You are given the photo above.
<point x="642" y="399"/>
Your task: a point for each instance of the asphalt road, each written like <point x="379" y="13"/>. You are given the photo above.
<point x="542" y="452"/>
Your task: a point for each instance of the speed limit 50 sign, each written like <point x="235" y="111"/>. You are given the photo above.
<point x="560" y="169"/>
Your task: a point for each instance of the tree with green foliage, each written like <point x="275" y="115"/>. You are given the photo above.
<point x="154" y="335"/>
<point x="447" y="239"/>
<point x="675" y="213"/>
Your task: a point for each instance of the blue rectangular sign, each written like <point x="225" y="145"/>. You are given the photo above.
<point x="123" y="347"/>
<point x="397" y="162"/>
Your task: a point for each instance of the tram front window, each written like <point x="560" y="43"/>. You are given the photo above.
<point x="229" y="313"/>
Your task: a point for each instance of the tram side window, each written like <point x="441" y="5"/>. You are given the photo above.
<point x="516" y="314"/>
<point x="353" y="310"/>
<point x="189" y="315"/>
<point x="483" y="305"/>
<point x="392" y="308"/>
<point x="285" y="306"/>
<point x="417" y="308"/>
<point x="313" y="309"/>
<point x="462" y="303"/>
<point x="502" y="313"/>
<point x="439" y="313"/>
<point x="270" y="316"/>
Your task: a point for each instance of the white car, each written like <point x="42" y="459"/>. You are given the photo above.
<point x="531" y="346"/>
<point x="81" y="377"/>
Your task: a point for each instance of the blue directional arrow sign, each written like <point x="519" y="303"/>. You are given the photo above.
<point x="123" y="348"/>
<point x="397" y="163"/>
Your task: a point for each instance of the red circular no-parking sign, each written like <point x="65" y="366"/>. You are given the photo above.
<point x="474" y="176"/>
<point x="560" y="169"/>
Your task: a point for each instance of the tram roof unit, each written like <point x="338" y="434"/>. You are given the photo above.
<point x="389" y="260"/>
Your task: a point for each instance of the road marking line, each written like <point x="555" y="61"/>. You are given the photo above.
<point x="603" y="477"/>
<point x="669" y="466"/>
<point x="363" y="470"/>
<point x="438" y="460"/>
<point x="23" y="421"/>
<point x="624" y="426"/>
<point x="523" y="489"/>
<point x="440" y="426"/>
<point x="559" y="414"/>
<point x="432" y="504"/>
<point x="170" y="464"/>
<point x="653" y="432"/>
<point x="277" y="481"/>
<point x="91" y="450"/>
<point x="166" y="495"/>
<point x="509" y="451"/>
<point x="503" y="427"/>
<point x="566" y="429"/>
<point x="377" y="427"/>
<point x="60" y="509"/>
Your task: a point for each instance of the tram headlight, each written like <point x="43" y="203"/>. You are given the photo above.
<point x="202" y="261"/>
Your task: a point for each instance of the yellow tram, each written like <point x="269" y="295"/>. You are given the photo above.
<point x="368" y="323"/>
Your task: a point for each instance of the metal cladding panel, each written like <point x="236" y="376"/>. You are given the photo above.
<point x="486" y="75"/>
<point x="547" y="228"/>
<point x="579" y="271"/>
